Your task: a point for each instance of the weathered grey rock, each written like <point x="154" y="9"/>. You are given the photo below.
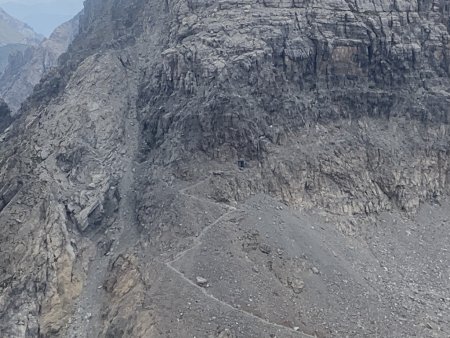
<point x="201" y="281"/>
<point x="340" y="111"/>
<point x="266" y="249"/>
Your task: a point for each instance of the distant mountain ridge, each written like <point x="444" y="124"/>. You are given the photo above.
<point x="15" y="36"/>
<point x="13" y="31"/>
<point x="55" y="13"/>
<point x="26" y="68"/>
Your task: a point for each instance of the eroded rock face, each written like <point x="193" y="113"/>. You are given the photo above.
<point x="250" y="76"/>
<point x="119" y="183"/>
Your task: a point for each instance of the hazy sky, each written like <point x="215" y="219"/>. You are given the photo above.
<point x="42" y="15"/>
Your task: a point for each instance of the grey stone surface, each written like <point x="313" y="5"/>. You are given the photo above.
<point x="120" y="185"/>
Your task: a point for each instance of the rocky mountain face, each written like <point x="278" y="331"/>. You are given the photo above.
<point x="233" y="168"/>
<point x="14" y="36"/>
<point x="5" y="116"/>
<point x="25" y="69"/>
<point x="8" y="50"/>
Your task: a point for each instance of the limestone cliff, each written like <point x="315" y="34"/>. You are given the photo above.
<point x="125" y="212"/>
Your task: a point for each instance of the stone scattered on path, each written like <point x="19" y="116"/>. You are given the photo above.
<point x="202" y="282"/>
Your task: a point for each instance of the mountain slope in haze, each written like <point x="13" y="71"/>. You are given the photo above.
<point x="14" y="36"/>
<point x="13" y="31"/>
<point x="8" y="50"/>
<point x="222" y="168"/>
<point x="33" y="12"/>
<point x="25" y="69"/>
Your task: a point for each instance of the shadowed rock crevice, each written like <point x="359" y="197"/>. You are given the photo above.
<point x="5" y="116"/>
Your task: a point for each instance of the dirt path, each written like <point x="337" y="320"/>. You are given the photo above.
<point x="198" y="239"/>
<point x="197" y="243"/>
<point x="231" y="307"/>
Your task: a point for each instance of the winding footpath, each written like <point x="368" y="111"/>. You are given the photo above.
<point x="197" y="244"/>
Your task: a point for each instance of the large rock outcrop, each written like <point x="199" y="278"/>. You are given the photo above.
<point x="124" y="210"/>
